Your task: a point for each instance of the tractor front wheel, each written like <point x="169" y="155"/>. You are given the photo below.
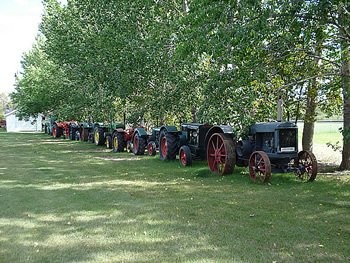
<point x="221" y="154"/>
<point x="151" y="148"/>
<point x="306" y="166"/>
<point x="259" y="167"/>
<point x="185" y="155"/>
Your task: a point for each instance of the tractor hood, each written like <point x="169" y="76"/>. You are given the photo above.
<point x="271" y="127"/>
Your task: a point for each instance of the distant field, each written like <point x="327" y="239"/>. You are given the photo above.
<point x="325" y="132"/>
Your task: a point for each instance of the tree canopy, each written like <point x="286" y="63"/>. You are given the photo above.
<point x="224" y="61"/>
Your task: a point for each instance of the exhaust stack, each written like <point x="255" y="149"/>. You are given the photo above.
<point x="280" y="110"/>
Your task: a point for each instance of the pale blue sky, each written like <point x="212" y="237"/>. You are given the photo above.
<point x="19" y="22"/>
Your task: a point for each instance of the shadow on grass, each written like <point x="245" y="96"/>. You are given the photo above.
<point x="61" y="205"/>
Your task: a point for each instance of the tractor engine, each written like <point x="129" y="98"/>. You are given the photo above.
<point x="279" y="140"/>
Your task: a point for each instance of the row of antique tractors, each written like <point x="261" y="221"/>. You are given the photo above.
<point x="268" y="146"/>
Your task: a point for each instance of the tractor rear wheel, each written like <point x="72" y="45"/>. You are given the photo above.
<point x="185" y="155"/>
<point x="138" y="144"/>
<point x="306" y="165"/>
<point x="151" y="148"/>
<point x="221" y="154"/>
<point x="167" y="145"/>
<point x="259" y="167"/>
<point x="118" y="142"/>
<point x="99" y="136"/>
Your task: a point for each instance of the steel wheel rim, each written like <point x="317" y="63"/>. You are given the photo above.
<point x="163" y="146"/>
<point x="308" y="162"/>
<point x="216" y="154"/>
<point x="259" y="167"/>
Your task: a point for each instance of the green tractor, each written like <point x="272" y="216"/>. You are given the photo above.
<point x="103" y="134"/>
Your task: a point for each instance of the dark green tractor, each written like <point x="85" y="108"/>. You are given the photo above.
<point x="142" y="140"/>
<point x="199" y="141"/>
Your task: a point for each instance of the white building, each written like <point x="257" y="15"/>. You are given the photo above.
<point x="14" y="124"/>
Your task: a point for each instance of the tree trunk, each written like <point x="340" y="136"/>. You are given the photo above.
<point x="345" y="163"/>
<point x="310" y="112"/>
<point x="345" y="76"/>
<point x="194" y="114"/>
<point x="310" y="117"/>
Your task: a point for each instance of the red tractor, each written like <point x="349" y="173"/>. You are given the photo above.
<point x="120" y="139"/>
<point x="65" y="128"/>
<point x="60" y="128"/>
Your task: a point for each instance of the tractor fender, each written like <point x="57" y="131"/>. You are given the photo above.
<point x="59" y="124"/>
<point x="118" y="125"/>
<point x="170" y="129"/>
<point x="119" y="130"/>
<point x="141" y="132"/>
<point x="96" y="124"/>
<point x="85" y="125"/>
<point x="226" y="129"/>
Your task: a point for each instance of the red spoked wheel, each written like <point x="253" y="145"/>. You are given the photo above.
<point x="306" y="165"/>
<point x="151" y="148"/>
<point x="221" y="154"/>
<point x="259" y="167"/>
<point x="185" y="155"/>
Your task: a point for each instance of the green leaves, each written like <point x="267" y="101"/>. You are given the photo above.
<point x="223" y="61"/>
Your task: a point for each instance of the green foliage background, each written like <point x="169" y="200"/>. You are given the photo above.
<point x="224" y="61"/>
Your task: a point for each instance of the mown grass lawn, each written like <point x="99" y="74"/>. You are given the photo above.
<point x="64" y="201"/>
